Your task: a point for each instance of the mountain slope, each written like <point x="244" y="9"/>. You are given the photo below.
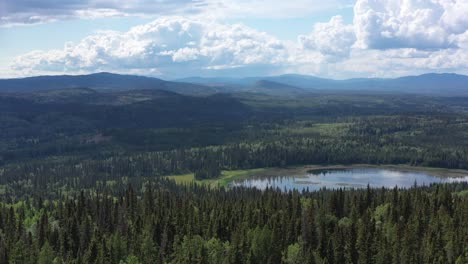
<point x="445" y="84"/>
<point x="302" y="81"/>
<point x="102" y="82"/>
<point x="93" y="97"/>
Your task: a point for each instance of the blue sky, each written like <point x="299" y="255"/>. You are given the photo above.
<point x="180" y="38"/>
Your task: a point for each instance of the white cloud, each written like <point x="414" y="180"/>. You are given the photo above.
<point x="333" y="38"/>
<point x="421" y="24"/>
<point x="170" y="45"/>
<point x="271" y="8"/>
<point x="405" y="61"/>
<point x="386" y="38"/>
<point x="17" y="12"/>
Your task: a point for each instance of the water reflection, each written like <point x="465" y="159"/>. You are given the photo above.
<point x="346" y="178"/>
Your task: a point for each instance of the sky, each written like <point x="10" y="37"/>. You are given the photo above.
<point x="173" y="39"/>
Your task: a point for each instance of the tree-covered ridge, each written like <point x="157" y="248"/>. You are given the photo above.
<point x="36" y="126"/>
<point x="433" y="141"/>
<point x="166" y="223"/>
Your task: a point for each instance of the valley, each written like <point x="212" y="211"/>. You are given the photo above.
<point x="176" y="173"/>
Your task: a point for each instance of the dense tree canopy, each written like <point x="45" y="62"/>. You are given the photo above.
<point x="166" y="223"/>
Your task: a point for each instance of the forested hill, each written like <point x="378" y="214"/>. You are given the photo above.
<point x="100" y="81"/>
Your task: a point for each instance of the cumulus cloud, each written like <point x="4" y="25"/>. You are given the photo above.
<point x="170" y="46"/>
<point x="386" y="38"/>
<point x="333" y="38"/>
<point x="381" y="24"/>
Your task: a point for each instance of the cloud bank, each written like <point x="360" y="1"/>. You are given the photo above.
<point x="386" y="38"/>
<point x="20" y="12"/>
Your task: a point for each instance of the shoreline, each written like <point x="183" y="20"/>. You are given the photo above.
<point x="229" y="176"/>
<point x="304" y="169"/>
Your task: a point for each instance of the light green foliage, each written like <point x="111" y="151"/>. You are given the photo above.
<point x="293" y="254"/>
<point x="47" y="255"/>
<point x="260" y="244"/>
<point x="381" y="212"/>
<point x="191" y="250"/>
<point x="224" y="180"/>
<point x="216" y="251"/>
<point x="130" y="260"/>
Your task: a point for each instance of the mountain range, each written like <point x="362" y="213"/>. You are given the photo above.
<point x="431" y="83"/>
<point x="282" y="85"/>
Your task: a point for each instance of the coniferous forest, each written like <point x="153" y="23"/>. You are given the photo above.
<point x="167" y="223"/>
<point x="88" y="179"/>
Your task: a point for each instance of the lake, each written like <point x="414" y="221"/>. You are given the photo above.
<point x="346" y="178"/>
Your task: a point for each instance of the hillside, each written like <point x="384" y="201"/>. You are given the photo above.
<point x="441" y="84"/>
<point x="107" y="82"/>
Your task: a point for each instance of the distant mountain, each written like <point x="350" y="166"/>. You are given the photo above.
<point x="219" y="81"/>
<point x="433" y="83"/>
<point x="303" y="81"/>
<point x="101" y="82"/>
<point x="275" y="88"/>
<point x="447" y="83"/>
<point x="282" y="85"/>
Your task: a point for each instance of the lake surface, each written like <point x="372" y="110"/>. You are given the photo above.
<point x="346" y="178"/>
